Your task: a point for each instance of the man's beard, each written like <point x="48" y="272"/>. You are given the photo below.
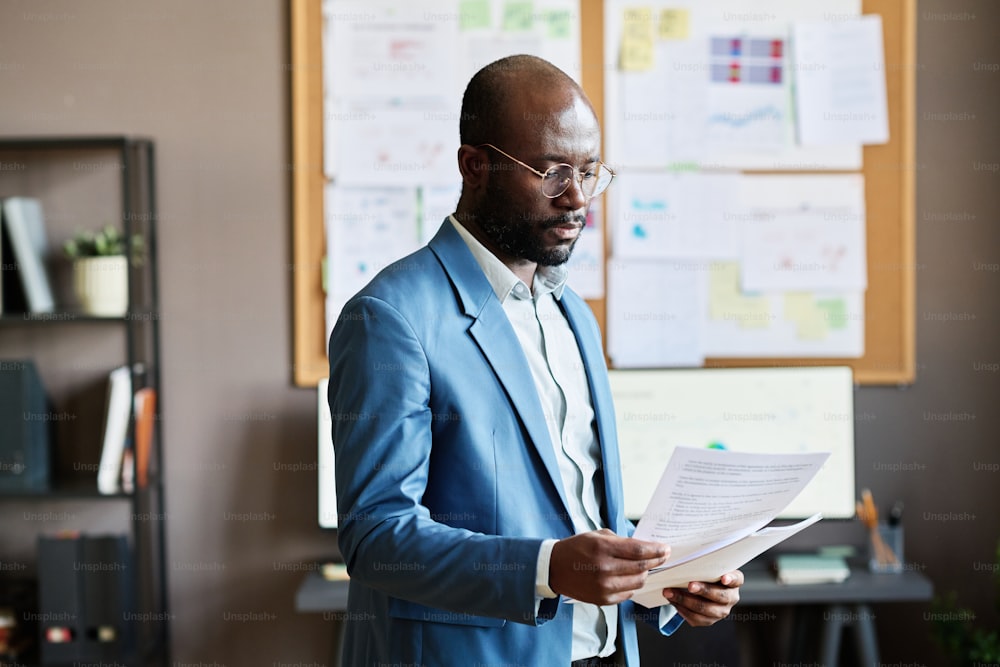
<point x="517" y="234"/>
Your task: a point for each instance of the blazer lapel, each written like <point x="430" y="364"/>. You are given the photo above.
<point x="492" y="331"/>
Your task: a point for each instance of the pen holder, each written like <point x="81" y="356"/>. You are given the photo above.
<point x="885" y="548"/>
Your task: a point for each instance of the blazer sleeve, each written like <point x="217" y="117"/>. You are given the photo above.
<point x="379" y="401"/>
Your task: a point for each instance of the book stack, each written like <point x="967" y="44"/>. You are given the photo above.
<point x="811" y="569"/>
<point x="124" y="464"/>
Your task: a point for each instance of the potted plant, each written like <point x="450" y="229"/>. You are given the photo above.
<point x="100" y="270"/>
<point x="956" y="632"/>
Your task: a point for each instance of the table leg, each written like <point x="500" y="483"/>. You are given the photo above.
<point x="867" y="642"/>
<point x="833" y="626"/>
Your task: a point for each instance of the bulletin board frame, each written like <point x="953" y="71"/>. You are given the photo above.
<point x="889" y="171"/>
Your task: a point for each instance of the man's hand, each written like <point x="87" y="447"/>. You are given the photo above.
<point x="703" y="604"/>
<point x="601" y="567"/>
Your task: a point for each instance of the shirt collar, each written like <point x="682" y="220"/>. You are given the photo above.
<point x="548" y="279"/>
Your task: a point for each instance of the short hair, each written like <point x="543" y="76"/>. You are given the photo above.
<point x="485" y="104"/>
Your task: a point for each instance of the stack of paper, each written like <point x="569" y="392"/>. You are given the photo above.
<point x="712" y="506"/>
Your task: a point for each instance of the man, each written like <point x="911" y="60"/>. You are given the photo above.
<point x="477" y="463"/>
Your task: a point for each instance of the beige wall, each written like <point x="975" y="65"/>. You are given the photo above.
<point x="208" y="82"/>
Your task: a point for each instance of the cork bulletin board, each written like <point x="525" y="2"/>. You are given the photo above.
<point x="888" y="169"/>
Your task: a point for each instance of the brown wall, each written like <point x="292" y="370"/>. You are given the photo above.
<point x="208" y="82"/>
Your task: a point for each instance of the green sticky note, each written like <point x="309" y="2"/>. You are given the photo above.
<point x="474" y="14"/>
<point x="559" y="23"/>
<point x="835" y="311"/>
<point x="518" y="15"/>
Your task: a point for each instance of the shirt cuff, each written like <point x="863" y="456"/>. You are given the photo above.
<point x="542" y="589"/>
<point x="669" y="619"/>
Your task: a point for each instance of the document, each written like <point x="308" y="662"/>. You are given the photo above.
<point x="653" y="313"/>
<point x="803" y="233"/>
<point x="840" y="93"/>
<point x="663" y="215"/>
<point x="367" y="229"/>
<point x="711" y="506"/>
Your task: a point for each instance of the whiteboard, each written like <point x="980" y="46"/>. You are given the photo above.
<point x="776" y="410"/>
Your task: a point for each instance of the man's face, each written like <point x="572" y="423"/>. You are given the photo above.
<point x="513" y="213"/>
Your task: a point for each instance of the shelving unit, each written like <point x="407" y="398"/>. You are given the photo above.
<point x="84" y="183"/>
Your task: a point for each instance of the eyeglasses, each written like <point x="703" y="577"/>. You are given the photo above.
<point x="557" y="178"/>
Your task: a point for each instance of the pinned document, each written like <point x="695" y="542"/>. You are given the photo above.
<point x="677" y="215"/>
<point x="803" y="233"/>
<point x="840" y="94"/>
<point x="650" y="327"/>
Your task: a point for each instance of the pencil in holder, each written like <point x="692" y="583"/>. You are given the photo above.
<point x="885" y="548"/>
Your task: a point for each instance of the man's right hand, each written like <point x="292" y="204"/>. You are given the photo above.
<point x="601" y="567"/>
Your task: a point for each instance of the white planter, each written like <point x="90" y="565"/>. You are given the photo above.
<point x="101" y="285"/>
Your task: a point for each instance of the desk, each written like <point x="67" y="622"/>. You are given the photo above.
<point x="843" y="604"/>
<point x="318" y="595"/>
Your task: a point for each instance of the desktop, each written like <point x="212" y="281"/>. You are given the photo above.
<point x="778" y="410"/>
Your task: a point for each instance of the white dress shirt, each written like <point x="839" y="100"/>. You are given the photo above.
<point x="561" y="381"/>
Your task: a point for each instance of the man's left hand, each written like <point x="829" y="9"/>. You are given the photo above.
<point x="702" y="603"/>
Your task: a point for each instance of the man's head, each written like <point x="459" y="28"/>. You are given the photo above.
<point x="529" y="111"/>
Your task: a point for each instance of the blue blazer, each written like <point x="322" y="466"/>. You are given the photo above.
<point x="447" y="481"/>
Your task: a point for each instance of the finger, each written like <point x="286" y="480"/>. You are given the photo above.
<point x="634" y="570"/>
<point x="732" y="579"/>
<point x="695" y="619"/>
<point x="695" y="609"/>
<point x="617" y="566"/>
<point x="708" y="599"/>
<point x="613" y="590"/>
<point x="632" y="549"/>
<point x="714" y="592"/>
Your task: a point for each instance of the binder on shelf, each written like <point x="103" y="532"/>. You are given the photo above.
<point x="60" y="599"/>
<point x="116" y="420"/>
<point x="22" y="218"/>
<point x="84" y="598"/>
<point x="106" y="596"/>
<point x="25" y="428"/>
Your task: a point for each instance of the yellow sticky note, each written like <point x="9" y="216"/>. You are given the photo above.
<point x="723" y="289"/>
<point x="756" y="313"/>
<point x="637" y="40"/>
<point x="674" y="23"/>
<point x="727" y="302"/>
<point x="801" y="308"/>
